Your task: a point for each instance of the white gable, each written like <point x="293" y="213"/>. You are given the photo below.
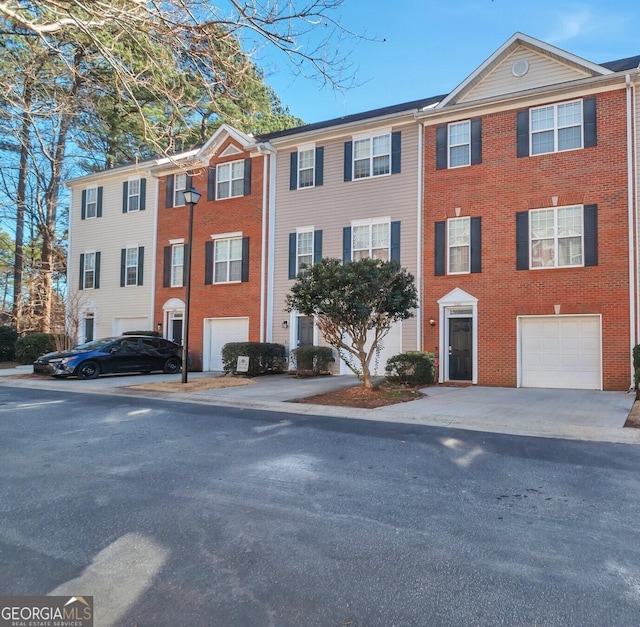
<point x="522" y="63"/>
<point x="456" y="298"/>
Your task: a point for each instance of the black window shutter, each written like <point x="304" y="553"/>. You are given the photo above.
<point x="476" y="141"/>
<point x="522" y="240"/>
<point x="591" y="235"/>
<point x="319" y="173"/>
<point x="476" y="244"/>
<point x="439" y="256"/>
<point x="346" y="244"/>
<point x="396" y="152"/>
<point x="348" y="159"/>
<point x="81" y="281"/>
<point x="293" y="171"/>
<point x="522" y="131"/>
<point x="185" y="268"/>
<point x="211" y="183"/>
<point x="168" y="201"/>
<point x="245" y="259"/>
<point x="140" y="265"/>
<point x="208" y="263"/>
<point x="317" y="246"/>
<point x="394" y="251"/>
<point x="83" y="205"/>
<point x="188" y="182"/>
<point x="123" y="266"/>
<point x="590" y="124"/>
<point x="143" y="194"/>
<point x="125" y="197"/>
<point x="99" y="209"/>
<point x="247" y="176"/>
<point x="96" y="274"/>
<point x="293" y="240"/>
<point x="441" y="147"/>
<point x="166" y="267"/>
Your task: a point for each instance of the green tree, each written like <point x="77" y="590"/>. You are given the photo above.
<point x="354" y="305"/>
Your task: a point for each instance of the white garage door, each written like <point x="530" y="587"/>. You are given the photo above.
<point x="218" y="332"/>
<point x="122" y="325"/>
<point x="561" y="352"/>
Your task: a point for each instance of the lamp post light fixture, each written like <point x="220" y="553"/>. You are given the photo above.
<point x="191" y="198"/>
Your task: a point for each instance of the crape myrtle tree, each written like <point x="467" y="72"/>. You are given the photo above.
<point x="136" y="78"/>
<point x="354" y="305"/>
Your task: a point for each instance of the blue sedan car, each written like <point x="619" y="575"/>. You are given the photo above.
<point x="127" y="353"/>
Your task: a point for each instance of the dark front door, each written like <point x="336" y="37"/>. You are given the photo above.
<point x="88" y="329"/>
<point x="460" y="349"/>
<point x="305" y="331"/>
<point x="176" y="330"/>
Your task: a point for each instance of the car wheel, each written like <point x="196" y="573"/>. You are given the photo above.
<point x="88" y="370"/>
<point x="172" y="365"/>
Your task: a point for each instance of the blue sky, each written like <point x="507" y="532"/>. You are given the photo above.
<point x="431" y="46"/>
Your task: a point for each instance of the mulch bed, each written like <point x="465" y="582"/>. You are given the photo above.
<point x="359" y="396"/>
<point x="633" y="421"/>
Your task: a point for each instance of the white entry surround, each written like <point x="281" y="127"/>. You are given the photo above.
<point x="457" y="303"/>
<point x="562" y="351"/>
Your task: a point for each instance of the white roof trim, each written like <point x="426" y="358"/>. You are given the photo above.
<point x="224" y="130"/>
<point x="532" y="42"/>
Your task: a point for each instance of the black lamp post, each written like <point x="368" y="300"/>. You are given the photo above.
<point x="191" y="198"/>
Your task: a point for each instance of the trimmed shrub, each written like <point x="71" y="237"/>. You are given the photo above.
<point x="30" y="347"/>
<point x="636" y="367"/>
<point x="312" y="359"/>
<point x="411" y="368"/>
<point x="264" y="357"/>
<point x="151" y="333"/>
<point x="8" y="338"/>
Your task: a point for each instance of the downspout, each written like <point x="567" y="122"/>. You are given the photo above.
<point x="419" y="278"/>
<point x="268" y="241"/>
<point x="632" y="225"/>
<point x="154" y="257"/>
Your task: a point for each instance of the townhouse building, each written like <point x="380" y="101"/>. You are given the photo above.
<point x="347" y="188"/>
<point x="228" y="260"/>
<point x="111" y="251"/>
<point x="530" y="220"/>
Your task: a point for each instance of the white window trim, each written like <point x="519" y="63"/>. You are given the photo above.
<point x="127" y="266"/>
<point x="180" y="240"/>
<point x="94" y="202"/>
<point x="555" y="239"/>
<point x="468" y="270"/>
<point x="129" y="195"/>
<point x="177" y="190"/>
<point x="305" y="148"/>
<point x="227" y="235"/>
<point x="370" y="135"/>
<point x="171" y="282"/>
<point x="84" y="269"/>
<point x="450" y="145"/>
<point x="370" y="222"/>
<point x="216" y="239"/>
<point x="300" y="231"/>
<point x="556" y="128"/>
<point x="229" y="165"/>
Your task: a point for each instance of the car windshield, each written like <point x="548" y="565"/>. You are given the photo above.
<point x="93" y="345"/>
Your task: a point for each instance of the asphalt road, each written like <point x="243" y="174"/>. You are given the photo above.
<point x="185" y="515"/>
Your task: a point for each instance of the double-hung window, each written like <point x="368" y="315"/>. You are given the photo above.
<point x="306" y="167"/>
<point x="230" y="179"/>
<point x="557" y="127"/>
<point x="372" y="156"/>
<point x="459" y="144"/>
<point x="177" y="265"/>
<point x="133" y="195"/>
<point x="459" y="245"/>
<point x="304" y="249"/>
<point x="556" y="237"/>
<point x="91" y="207"/>
<point x="227" y="260"/>
<point x="179" y="187"/>
<point x="370" y="240"/>
<point x="131" y="266"/>
<point x="89" y="271"/>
